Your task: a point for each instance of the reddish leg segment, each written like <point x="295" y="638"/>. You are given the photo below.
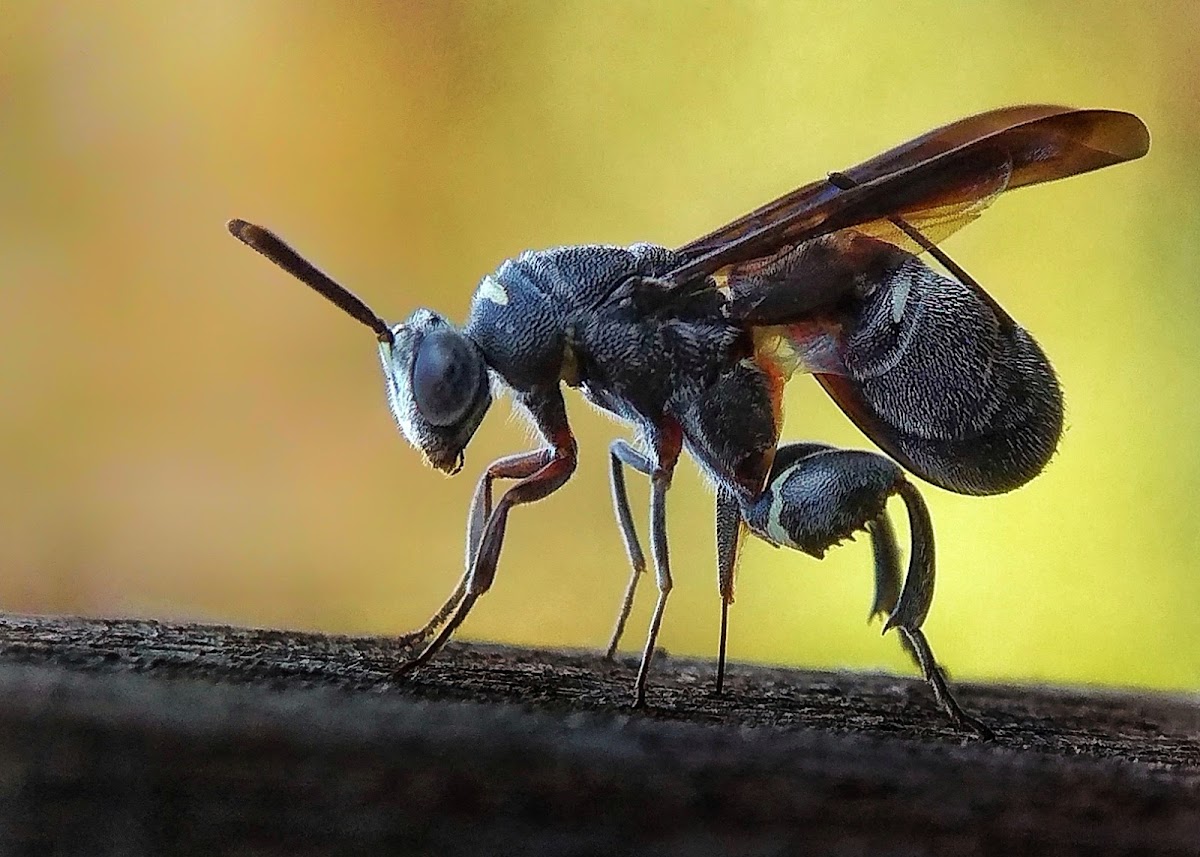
<point x="520" y="466"/>
<point x="541" y="473"/>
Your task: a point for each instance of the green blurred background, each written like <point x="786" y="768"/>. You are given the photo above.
<point x="186" y="432"/>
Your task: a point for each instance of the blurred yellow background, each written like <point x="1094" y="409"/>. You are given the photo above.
<point x="187" y="432"/>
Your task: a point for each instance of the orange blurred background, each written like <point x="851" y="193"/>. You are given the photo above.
<point x="189" y="433"/>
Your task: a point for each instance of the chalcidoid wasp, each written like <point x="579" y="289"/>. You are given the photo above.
<point x="693" y="347"/>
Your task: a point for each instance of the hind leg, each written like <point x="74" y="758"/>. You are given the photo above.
<point x="816" y="496"/>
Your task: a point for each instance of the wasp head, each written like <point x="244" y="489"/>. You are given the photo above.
<point x="437" y="386"/>
<point x="437" y="381"/>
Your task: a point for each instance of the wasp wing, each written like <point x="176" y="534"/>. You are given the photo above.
<point x="929" y="367"/>
<point x="949" y="174"/>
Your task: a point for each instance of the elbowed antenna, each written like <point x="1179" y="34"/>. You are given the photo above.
<point x="280" y="252"/>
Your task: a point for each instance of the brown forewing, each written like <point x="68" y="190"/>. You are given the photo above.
<point x="947" y="175"/>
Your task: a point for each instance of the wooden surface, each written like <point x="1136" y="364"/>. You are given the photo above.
<point x="129" y="737"/>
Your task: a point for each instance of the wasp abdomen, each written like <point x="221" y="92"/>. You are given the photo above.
<point x="962" y="396"/>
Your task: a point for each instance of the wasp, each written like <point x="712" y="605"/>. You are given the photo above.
<point x="693" y="346"/>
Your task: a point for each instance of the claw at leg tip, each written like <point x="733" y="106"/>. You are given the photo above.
<point x="981" y="731"/>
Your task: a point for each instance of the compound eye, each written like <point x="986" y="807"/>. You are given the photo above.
<point x="445" y="376"/>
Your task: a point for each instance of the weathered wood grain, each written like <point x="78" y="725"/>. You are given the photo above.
<point x="132" y="737"/>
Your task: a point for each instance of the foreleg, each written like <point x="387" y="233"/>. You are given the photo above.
<point x="520" y="466"/>
<point x="540" y="473"/>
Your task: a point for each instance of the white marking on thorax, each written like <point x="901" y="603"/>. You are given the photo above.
<point x="491" y="290"/>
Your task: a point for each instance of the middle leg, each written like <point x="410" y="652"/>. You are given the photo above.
<point x="666" y="443"/>
<point x="622" y="454"/>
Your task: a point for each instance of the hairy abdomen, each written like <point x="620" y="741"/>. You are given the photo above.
<point x="959" y="394"/>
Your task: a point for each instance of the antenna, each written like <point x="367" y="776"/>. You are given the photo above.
<point x="280" y="252"/>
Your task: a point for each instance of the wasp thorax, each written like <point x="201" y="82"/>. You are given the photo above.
<point x="437" y="386"/>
